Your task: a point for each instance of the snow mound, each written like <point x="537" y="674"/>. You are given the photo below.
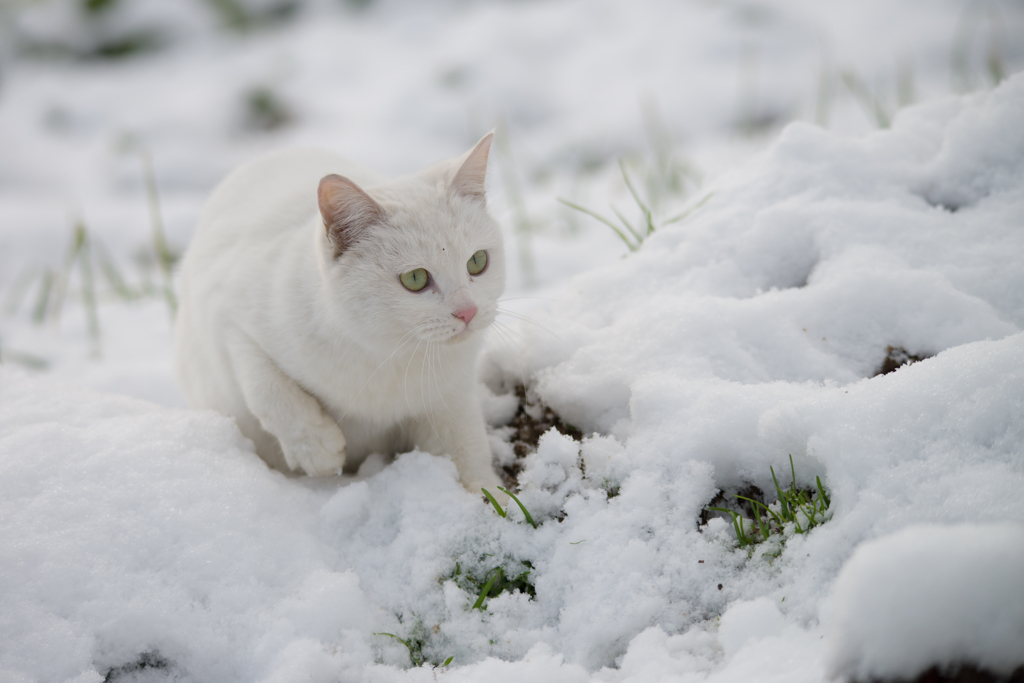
<point x="929" y="596"/>
<point x="131" y="529"/>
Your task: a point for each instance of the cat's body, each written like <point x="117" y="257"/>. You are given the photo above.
<point x="295" y="320"/>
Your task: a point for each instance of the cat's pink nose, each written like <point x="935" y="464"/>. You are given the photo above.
<point x="466" y="314"/>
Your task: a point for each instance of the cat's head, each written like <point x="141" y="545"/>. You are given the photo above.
<point x="418" y="259"/>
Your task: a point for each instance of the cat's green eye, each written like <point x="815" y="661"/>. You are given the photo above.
<point x="415" y="280"/>
<point x="477" y="262"/>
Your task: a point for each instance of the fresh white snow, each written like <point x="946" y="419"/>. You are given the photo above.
<point x="930" y="595"/>
<point x="746" y="333"/>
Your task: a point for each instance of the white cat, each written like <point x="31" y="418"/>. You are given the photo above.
<point x="334" y="320"/>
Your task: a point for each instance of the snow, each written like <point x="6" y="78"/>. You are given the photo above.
<point x="747" y="333"/>
<point x="929" y="595"/>
<point x="129" y="525"/>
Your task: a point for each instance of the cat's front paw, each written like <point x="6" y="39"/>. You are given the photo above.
<point x="318" y="450"/>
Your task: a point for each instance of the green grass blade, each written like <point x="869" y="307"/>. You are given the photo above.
<point x="526" y="513"/>
<point x="736" y="524"/>
<point x="41" y="308"/>
<point x="787" y="514"/>
<point x="62" y="279"/>
<point x="757" y="516"/>
<point x="448" y="661"/>
<point x="25" y="359"/>
<point x="811" y="521"/>
<point x="687" y="212"/>
<point x="415" y="652"/>
<point x="521" y="221"/>
<point x="110" y="271"/>
<point x="632" y="190"/>
<point x="18" y="290"/>
<point x="164" y="256"/>
<point x="778" y="520"/>
<point x="793" y="508"/>
<point x="497" y="508"/>
<point x="639" y="238"/>
<point x="744" y="539"/>
<point x="392" y="635"/>
<point x="868" y="100"/>
<point x="601" y="218"/>
<point x="88" y="285"/>
<point x="479" y="604"/>
<point x="821" y="492"/>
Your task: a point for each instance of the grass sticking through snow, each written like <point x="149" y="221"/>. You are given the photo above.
<point x="416" y="643"/>
<point x="800" y="509"/>
<point x="415" y="647"/>
<point x="165" y="257"/>
<point x="524" y="226"/>
<point x="52" y="286"/>
<point x="495" y="581"/>
<point x="504" y="513"/>
<point x="633" y="236"/>
<point x="88" y="259"/>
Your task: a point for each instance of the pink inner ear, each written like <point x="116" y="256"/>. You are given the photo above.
<point x="347" y="211"/>
<point x="469" y="180"/>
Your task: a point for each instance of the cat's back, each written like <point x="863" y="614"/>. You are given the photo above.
<point x="273" y="193"/>
<point x="245" y="264"/>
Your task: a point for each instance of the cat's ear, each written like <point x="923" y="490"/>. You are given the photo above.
<point x="347" y="211"/>
<point x="469" y="180"/>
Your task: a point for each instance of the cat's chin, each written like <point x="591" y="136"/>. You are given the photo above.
<point x="460" y="336"/>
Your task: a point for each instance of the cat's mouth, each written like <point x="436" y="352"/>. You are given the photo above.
<point x="479" y="323"/>
<point x="460" y="336"/>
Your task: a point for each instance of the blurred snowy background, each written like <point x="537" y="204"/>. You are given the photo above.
<point x="95" y="93"/>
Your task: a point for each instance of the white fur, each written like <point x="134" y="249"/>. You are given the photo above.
<point x="325" y="359"/>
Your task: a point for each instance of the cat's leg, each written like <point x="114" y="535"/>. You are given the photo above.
<point x="456" y="428"/>
<point x="309" y="437"/>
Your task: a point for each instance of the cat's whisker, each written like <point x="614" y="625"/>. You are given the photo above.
<point x="512" y="334"/>
<point x="423" y="393"/>
<point x="510" y="329"/>
<point x="528" y="319"/>
<point x="508" y="341"/>
<point x="448" y="360"/>
<point x="539" y="298"/>
<point x="401" y="342"/>
<point x="516" y="336"/>
<point x="505" y="341"/>
<point x="405" y="382"/>
<point x="437" y="385"/>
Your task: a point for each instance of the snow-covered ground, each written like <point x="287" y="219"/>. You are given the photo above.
<point x="142" y="541"/>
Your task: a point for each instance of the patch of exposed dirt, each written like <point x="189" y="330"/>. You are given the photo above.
<point x="967" y="673"/>
<point x="147" y="661"/>
<point x="532" y="420"/>
<point x="728" y="499"/>
<point x="895" y="358"/>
